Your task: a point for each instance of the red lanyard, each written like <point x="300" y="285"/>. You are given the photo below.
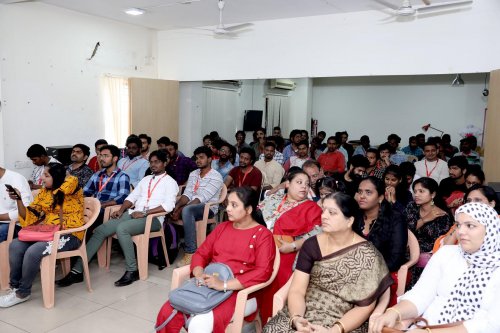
<point x="197" y="185"/>
<point x="101" y="187"/>
<point x="126" y="166"/>
<point x="427" y="170"/>
<point x="240" y="181"/>
<point x="151" y="190"/>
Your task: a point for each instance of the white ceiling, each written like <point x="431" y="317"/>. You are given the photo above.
<point x="169" y="14"/>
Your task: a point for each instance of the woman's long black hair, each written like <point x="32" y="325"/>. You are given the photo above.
<point x="58" y="173"/>
<point x="250" y="198"/>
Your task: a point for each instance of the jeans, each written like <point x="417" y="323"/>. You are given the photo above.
<point x="191" y="214"/>
<point x="25" y="259"/>
<point x="125" y="227"/>
<point x="4" y="230"/>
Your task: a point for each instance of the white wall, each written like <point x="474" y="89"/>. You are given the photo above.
<point x="378" y="106"/>
<point x="50" y="92"/>
<point x="352" y="44"/>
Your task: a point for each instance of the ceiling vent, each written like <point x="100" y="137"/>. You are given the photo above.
<point x="282" y="84"/>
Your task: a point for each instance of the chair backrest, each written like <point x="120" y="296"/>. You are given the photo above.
<point x="91" y="209"/>
<point x="223" y="194"/>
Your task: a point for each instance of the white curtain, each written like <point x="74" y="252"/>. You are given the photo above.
<point x="116" y="109"/>
<point x="277" y="113"/>
<point x="219" y="113"/>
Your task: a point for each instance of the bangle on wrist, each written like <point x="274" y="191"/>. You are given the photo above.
<point x="397" y="312"/>
<point x="341" y="327"/>
<point x="428" y="330"/>
<point x="225" y="286"/>
<point x="290" y="323"/>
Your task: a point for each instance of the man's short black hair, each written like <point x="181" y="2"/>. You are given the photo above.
<point x="459" y="161"/>
<point x="160" y="154"/>
<point x="394" y="137"/>
<point x="412" y="138"/>
<point x="163" y="140"/>
<point x="294" y="133"/>
<point x="408" y="168"/>
<point x="36" y="150"/>
<point x="100" y="142"/>
<point x="359" y="161"/>
<point x="114" y="150"/>
<point x="431" y="143"/>
<point x="303" y="142"/>
<point x="322" y="133"/>
<point x="145" y="136"/>
<point x="270" y="144"/>
<point x="85" y="149"/>
<point x="134" y="139"/>
<point x="203" y="150"/>
<point x="249" y="151"/>
<point x="173" y="144"/>
<point x="276" y="128"/>
<point x="242" y="133"/>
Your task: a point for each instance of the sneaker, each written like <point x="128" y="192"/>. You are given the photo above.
<point x="11" y="299"/>
<point x="186" y="260"/>
<point x="69" y="279"/>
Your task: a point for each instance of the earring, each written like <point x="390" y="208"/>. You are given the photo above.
<point x="432" y="202"/>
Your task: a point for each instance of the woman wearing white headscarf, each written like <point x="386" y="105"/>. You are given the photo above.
<point x="460" y="283"/>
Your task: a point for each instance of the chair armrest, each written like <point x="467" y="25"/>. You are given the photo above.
<point x="280" y="297"/>
<point x="149" y="222"/>
<point x="179" y="275"/>
<point x="10" y="233"/>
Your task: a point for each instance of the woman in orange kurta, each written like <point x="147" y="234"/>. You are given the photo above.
<point x="60" y="196"/>
<point x="243" y="244"/>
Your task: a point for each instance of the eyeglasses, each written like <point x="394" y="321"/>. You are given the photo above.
<point x="469" y="184"/>
<point x="469" y="200"/>
<point x="223" y="150"/>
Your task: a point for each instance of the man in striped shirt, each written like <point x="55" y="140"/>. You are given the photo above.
<point x="204" y="185"/>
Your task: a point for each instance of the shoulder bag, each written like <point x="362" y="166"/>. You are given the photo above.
<point x="39" y="232"/>
<point x="425" y="325"/>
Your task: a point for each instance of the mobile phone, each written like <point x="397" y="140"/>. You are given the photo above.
<point x="13" y="191"/>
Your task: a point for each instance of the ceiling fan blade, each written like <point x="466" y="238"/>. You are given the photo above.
<point x="11" y="2"/>
<point x="170" y="4"/>
<point x="427" y="2"/>
<point x="387" y="4"/>
<point x="444" y="4"/>
<point x="238" y="26"/>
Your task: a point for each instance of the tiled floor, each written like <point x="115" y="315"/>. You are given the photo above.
<point x="107" y="309"/>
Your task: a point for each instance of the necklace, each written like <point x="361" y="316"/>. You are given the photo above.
<point x="370" y="227"/>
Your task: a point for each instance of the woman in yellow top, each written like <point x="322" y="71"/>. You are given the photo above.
<point x="60" y="195"/>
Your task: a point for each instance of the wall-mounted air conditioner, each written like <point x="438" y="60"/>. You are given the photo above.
<point x="282" y="84"/>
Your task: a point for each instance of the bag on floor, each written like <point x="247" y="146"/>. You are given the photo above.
<point x="192" y="299"/>
<point x="172" y="237"/>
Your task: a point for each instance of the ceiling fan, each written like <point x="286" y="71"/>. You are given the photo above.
<point x="406" y="8"/>
<point x="228" y="30"/>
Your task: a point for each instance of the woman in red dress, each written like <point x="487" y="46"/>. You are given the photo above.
<point x="243" y="244"/>
<point x="293" y="218"/>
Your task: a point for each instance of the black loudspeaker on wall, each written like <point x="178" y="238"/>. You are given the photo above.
<point x="253" y="120"/>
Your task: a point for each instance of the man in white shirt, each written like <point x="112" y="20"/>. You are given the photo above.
<point x="431" y="166"/>
<point x="8" y="207"/>
<point x="154" y="194"/>
<point x="134" y="165"/>
<point x="38" y="155"/>
<point x="203" y="185"/>
<point x="271" y="170"/>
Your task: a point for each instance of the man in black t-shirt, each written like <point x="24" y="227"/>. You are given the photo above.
<point x="457" y="166"/>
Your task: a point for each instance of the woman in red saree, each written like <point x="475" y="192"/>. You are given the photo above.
<point x="292" y="218"/>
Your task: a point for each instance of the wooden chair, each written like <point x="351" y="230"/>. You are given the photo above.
<point x="141" y="242"/>
<point x="4" y="257"/>
<point x="403" y="270"/>
<point x="201" y="225"/>
<point x="92" y="207"/>
<point x="181" y="274"/>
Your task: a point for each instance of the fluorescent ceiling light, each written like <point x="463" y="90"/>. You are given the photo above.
<point x="135" y="11"/>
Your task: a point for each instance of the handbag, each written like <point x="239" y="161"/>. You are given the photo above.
<point x="39" y="232"/>
<point x="423" y="259"/>
<point x="279" y="239"/>
<point x="416" y="322"/>
<point x="192" y="299"/>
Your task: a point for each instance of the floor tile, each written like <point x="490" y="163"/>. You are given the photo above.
<point x="6" y="328"/>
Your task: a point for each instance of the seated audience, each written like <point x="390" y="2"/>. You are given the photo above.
<point x="278" y="157"/>
<point x="277" y="131"/>
<point x="228" y="244"/>
<point x="431" y="166"/>
<point x="413" y="148"/>
<point x="133" y="164"/>
<point x="146" y="143"/>
<point x="291" y="149"/>
<point x="460" y="284"/>
<point x="8" y="206"/>
<point x="373" y="156"/>
<point x="240" y="141"/>
<point x="301" y="155"/>
<point x="59" y="196"/>
<point x="448" y="148"/>
<point x="207" y="141"/>
<point x="408" y="169"/>
<point x="344" y="137"/>
<point x="474" y="176"/>
<point x="204" y="185"/>
<point x="383" y="226"/>
<point x="94" y="161"/>
<point x="420" y="140"/>
<point x="223" y="165"/>
<point x="292" y="218"/>
<point x="452" y="189"/>
<point x="321" y="137"/>
<point x="383" y="161"/>
<point x="78" y="166"/>
<point x="326" y="186"/>
<point x="364" y="145"/>
<point x="314" y="150"/>
<point x="467" y="146"/>
<point x="356" y="173"/>
<point x="332" y="161"/>
<point x="338" y="279"/>
<point x="397" y="156"/>
<point x="163" y="142"/>
<point x="427" y="218"/>
<point x="271" y="170"/>
<point x="154" y="194"/>
<point x="179" y="167"/>
<point x="396" y="189"/>
<point x="259" y="137"/>
<point x="245" y="174"/>
<point x="38" y="155"/>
